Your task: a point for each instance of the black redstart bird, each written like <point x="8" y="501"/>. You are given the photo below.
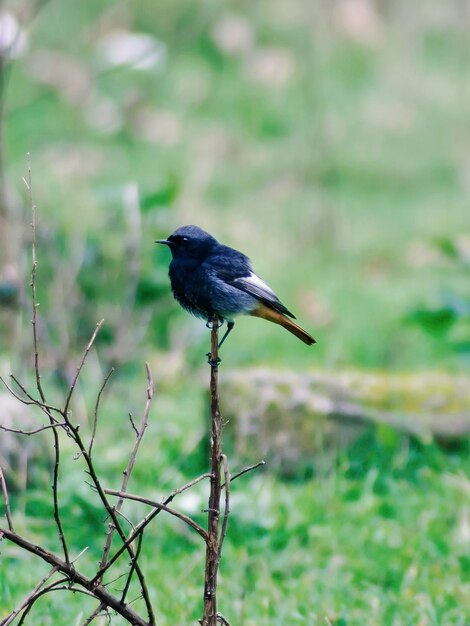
<point x="209" y="279"/>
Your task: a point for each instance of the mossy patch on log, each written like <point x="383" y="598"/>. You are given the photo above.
<point x="290" y="417"/>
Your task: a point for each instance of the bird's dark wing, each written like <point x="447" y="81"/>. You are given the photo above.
<point x="255" y="286"/>
<point x="234" y="268"/>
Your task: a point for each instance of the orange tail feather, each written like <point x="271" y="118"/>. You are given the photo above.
<point x="267" y="313"/>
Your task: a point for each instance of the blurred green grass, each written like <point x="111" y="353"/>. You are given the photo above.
<point x="333" y="178"/>
<point x="380" y="536"/>
<point x="337" y="178"/>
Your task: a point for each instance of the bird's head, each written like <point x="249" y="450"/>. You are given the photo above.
<point x="189" y="242"/>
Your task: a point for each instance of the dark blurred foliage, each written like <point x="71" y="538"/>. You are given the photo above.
<point x="448" y="318"/>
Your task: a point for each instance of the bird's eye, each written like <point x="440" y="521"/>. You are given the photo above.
<point x="178" y="239"/>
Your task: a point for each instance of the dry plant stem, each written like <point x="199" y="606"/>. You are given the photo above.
<point x="55" y="435"/>
<point x="6" y="500"/>
<point x="250" y="468"/>
<point x="98" y="591"/>
<point x="97" y="408"/>
<point x="29" y="186"/>
<point x="223" y="531"/>
<point x="158" y="505"/>
<point x="59" y="585"/>
<point x="213" y="514"/>
<point x="80" y="366"/>
<point x="94" y="615"/>
<point x="30" y="401"/>
<point x="128" y="470"/>
<point x="18" y="431"/>
<point x="74" y="430"/>
<point x="42" y="592"/>
<point x="67" y="567"/>
<point x="132" y="568"/>
<point x="147" y="519"/>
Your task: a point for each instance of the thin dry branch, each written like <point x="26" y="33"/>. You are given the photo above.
<point x="42" y="592"/>
<point x="127" y="474"/>
<point x="158" y="505"/>
<point x="250" y="468"/>
<point x="40" y="429"/>
<point x="80" y="366"/>
<point x="6" y="500"/>
<point x="52" y="420"/>
<point x="74" y="430"/>
<point x="223" y="531"/>
<point x="75" y="434"/>
<point x="132" y="568"/>
<point x="98" y="591"/>
<point x="130" y="465"/>
<point x="10" y="618"/>
<point x="101" y="607"/>
<point x="147" y="519"/>
<point x="30" y="401"/>
<point x="29" y="186"/>
<point x="97" y="408"/>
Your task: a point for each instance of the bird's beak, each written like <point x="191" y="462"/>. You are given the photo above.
<point x="164" y="241"/>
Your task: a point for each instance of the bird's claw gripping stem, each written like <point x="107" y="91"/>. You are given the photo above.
<point x="213" y="362"/>
<point x="209" y="323"/>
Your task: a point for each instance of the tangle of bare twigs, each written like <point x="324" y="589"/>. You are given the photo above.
<point x="64" y="574"/>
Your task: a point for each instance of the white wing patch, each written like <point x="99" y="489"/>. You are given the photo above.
<point x="258" y="286"/>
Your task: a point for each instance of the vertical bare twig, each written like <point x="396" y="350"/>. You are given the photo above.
<point x="34" y="321"/>
<point x="213" y="513"/>
<point x="226" y="485"/>
<point x="6" y="500"/>
<point x="96" y="411"/>
<point x="55" y="476"/>
<point x="74" y="431"/>
<point x="80" y="366"/>
<point x="127" y="474"/>
<point x="130" y="465"/>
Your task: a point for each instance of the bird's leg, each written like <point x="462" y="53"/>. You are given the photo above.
<point x="230" y="325"/>
<point x="213" y="362"/>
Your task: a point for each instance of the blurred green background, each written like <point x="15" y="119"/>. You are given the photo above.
<point x="329" y="142"/>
